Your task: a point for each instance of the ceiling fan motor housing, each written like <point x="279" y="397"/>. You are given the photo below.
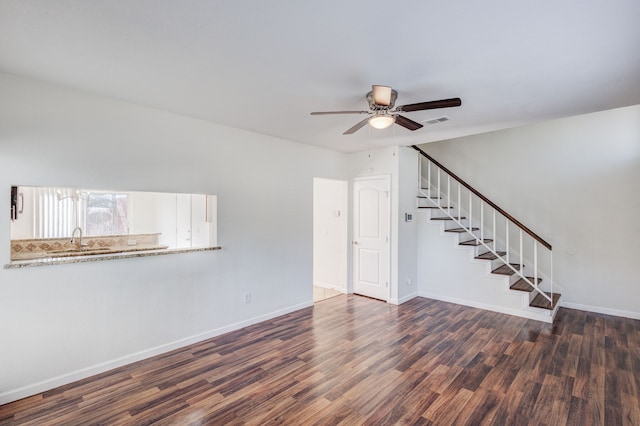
<point x="374" y="106"/>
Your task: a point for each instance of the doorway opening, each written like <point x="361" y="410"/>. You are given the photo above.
<point x="330" y="238"/>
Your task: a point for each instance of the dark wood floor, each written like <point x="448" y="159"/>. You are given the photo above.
<point x="352" y="360"/>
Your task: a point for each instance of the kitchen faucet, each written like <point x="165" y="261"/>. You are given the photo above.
<point x="79" y="243"/>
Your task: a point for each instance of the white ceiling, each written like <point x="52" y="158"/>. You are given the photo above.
<point x="264" y="65"/>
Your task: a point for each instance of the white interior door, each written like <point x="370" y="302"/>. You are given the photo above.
<point x="371" y="259"/>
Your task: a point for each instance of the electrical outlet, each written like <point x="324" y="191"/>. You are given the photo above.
<point x="409" y="281"/>
<point x="247" y="298"/>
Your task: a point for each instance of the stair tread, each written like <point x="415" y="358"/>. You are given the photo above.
<point x="474" y="242"/>
<point x="460" y="230"/>
<point x="522" y="285"/>
<point x="540" y="302"/>
<point x="490" y="256"/>
<point x="434" y="197"/>
<point x="447" y="218"/>
<point x="505" y="270"/>
<point x="434" y="207"/>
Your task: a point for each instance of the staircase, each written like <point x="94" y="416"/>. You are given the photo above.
<point x="515" y="253"/>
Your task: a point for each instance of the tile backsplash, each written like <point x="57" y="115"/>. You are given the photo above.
<point x="33" y="247"/>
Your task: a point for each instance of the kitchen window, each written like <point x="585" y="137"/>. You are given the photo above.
<point x="58" y="211"/>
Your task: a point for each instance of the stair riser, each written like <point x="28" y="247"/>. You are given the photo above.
<point x="436" y="213"/>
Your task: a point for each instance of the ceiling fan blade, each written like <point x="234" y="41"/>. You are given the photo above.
<point x="338" y="112"/>
<point x="442" y="103"/>
<point x="382" y="95"/>
<point x="407" y="124"/>
<point x="357" y="127"/>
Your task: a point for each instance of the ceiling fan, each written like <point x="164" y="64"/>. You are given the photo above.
<point x="381" y="100"/>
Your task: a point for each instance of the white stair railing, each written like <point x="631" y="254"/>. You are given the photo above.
<point x="497" y="228"/>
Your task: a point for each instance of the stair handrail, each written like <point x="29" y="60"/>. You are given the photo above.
<point x="485" y="199"/>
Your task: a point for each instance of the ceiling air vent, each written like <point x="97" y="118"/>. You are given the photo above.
<point x="437" y="120"/>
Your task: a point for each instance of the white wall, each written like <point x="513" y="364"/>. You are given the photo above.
<point x="143" y="212"/>
<point x="62" y="322"/>
<point x="330" y="238"/>
<point x="407" y="231"/>
<point x="573" y="181"/>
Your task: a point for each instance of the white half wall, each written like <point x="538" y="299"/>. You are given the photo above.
<point x="60" y="323"/>
<point x="574" y="182"/>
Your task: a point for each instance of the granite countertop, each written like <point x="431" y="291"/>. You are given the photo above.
<point x="85" y="251"/>
<point x="116" y="253"/>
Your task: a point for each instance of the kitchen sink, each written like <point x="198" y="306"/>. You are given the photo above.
<point x="84" y="251"/>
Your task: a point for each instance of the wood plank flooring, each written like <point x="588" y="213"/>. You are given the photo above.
<point x="350" y="360"/>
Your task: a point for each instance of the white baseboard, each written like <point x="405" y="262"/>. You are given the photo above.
<point x="473" y="304"/>
<point x="600" y="310"/>
<point x="54" y="382"/>
<point x="403" y="299"/>
<point x="330" y="286"/>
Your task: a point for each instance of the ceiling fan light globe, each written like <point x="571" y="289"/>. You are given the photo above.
<point x="381" y="121"/>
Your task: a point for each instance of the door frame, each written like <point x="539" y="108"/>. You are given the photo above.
<point x="354" y="272"/>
